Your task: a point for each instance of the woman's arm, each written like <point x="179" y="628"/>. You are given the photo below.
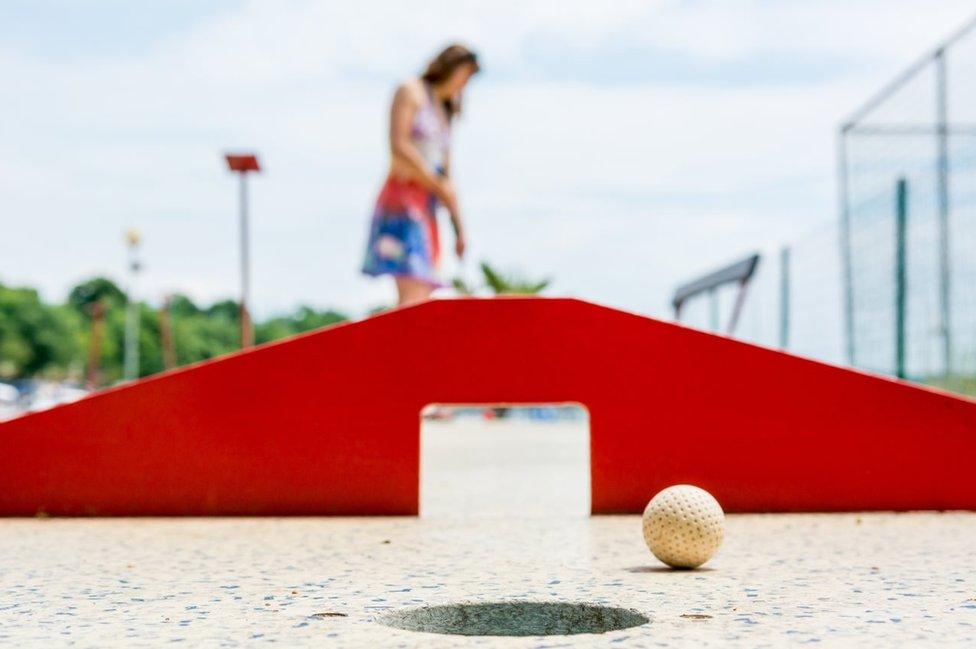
<point x="405" y="105"/>
<point x="456" y="223"/>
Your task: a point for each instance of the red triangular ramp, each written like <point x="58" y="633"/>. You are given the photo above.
<point x="328" y="422"/>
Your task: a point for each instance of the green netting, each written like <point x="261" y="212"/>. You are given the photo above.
<point x="834" y="295"/>
<point x="922" y="131"/>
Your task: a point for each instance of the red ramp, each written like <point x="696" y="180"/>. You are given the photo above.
<point x="328" y="422"/>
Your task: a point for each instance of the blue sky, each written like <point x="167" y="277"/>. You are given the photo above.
<point x="64" y="30"/>
<point x="616" y="147"/>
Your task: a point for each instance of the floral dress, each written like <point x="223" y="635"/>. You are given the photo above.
<point x="403" y="236"/>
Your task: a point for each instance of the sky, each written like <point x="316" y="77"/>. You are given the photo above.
<point x="617" y="147"/>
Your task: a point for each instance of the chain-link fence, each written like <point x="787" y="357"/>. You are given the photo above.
<point x="891" y="287"/>
<point x="908" y="219"/>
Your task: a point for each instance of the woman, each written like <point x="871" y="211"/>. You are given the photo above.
<point x="403" y="239"/>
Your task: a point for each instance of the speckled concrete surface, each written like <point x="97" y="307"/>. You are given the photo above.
<point x="874" y="579"/>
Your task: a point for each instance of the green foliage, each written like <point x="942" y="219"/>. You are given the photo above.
<point x="462" y="287"/>
<point x="38" y="339"/>
<point x="501" y="283"/>
<point x="181" y="305"/>
<point x="302" y="320"/>
<point x="202" y="336"/>
<point x="34" y="338"/>
<point x="98" y="288"/>
<point x="226" y="309"/>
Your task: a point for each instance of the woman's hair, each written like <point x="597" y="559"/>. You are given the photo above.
<point x="443" y="66"/>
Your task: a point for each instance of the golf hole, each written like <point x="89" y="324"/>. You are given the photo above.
<point x="515" y="619"/>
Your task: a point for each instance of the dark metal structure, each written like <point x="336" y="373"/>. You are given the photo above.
<point x="740" y="272"/>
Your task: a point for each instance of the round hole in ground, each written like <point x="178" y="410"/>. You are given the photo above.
<point x="514" y="619"/>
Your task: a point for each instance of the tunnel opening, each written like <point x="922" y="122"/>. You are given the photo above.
<point x="505" y="460"/>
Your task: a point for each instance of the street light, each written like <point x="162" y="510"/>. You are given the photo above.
<point x="242" y="164"/>
<point x="131" y="359"/>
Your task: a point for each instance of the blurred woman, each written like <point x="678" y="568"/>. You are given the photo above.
<point x="404" y="240"/>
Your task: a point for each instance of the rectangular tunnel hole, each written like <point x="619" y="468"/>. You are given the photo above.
<point x="503" y="460"/>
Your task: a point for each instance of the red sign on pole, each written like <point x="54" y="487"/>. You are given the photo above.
<point x="242" y="162"/>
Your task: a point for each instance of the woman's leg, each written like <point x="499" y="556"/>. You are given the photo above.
<point x="411" y="291"/>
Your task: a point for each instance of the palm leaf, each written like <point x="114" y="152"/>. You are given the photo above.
<point x="496" y="282"/>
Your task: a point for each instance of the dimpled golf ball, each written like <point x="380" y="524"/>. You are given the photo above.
<point x="683" y="526"/>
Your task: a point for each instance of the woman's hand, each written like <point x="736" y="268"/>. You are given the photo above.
<point x="459" y="244"/>
<point x="446" y="194"/>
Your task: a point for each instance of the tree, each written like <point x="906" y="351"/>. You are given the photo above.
<point x="36" y="338"/>
<point x="87" y="293"/>
<point x="181" y="305"/>
<point x="227" y="309"/>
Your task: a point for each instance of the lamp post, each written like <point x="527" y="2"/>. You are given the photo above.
<point x="131" y="358"/>
<point x="242" y="164"/>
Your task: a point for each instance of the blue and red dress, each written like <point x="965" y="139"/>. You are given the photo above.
<point x="403" y="236"/>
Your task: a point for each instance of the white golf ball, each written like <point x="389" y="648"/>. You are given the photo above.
<point x="683" y="526"/>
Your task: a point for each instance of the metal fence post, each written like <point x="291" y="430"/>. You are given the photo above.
<point x="784" y="297"/>
<point x="901" y="218"/>
<point x="845" y="243"/>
